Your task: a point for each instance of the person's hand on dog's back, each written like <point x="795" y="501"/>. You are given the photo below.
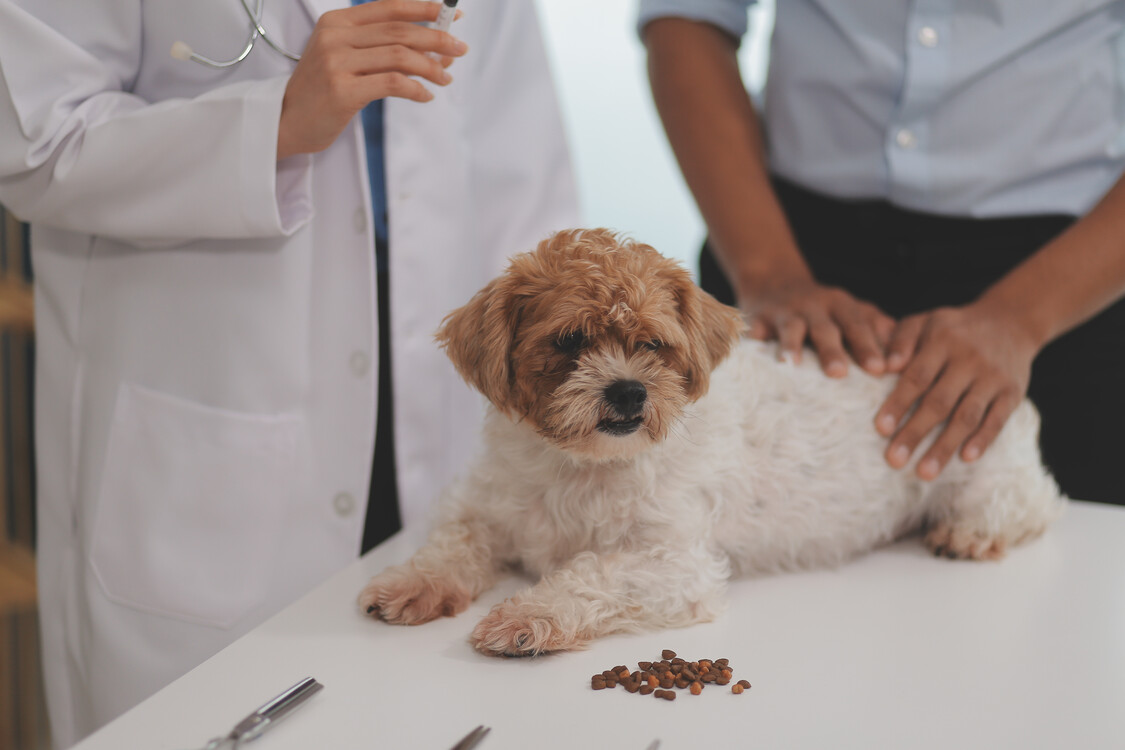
<point x="838" y="326"/>
<point x="962" y="371"/>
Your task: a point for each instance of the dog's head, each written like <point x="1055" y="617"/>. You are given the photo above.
<point x="597" y="341"/>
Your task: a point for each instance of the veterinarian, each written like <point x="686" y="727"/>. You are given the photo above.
<point x="930" y="192"/>
<point x="204" y="249"/>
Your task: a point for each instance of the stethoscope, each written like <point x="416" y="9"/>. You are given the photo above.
<point x="181" y="51"/>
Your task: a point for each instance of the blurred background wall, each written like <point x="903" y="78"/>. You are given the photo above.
<point x="22" y="718"/>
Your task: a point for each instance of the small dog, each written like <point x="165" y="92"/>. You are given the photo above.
<point x="638" y="454"/>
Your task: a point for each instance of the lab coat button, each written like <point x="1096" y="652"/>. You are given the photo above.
<point x="344" y="504"/>
<point x="906" y="138"/>
<point x="928" y="36"/>
<point x="360" y="363"/>
<point x="360" y="220"/>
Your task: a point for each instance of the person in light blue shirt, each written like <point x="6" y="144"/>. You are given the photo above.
<point x="931" y="189"/>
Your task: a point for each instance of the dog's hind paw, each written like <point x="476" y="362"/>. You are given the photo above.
<point x="405" y="596"/>
<point x="512" y="629"/>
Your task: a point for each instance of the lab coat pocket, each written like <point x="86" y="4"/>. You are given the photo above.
<point x="192" y="506"/>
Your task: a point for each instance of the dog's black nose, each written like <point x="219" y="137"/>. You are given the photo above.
<point x="626" y="396"/>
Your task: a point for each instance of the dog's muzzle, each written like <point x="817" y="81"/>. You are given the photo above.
<point x="627" y="399"/>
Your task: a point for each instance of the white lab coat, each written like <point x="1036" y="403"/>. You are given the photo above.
<point x="206" y="316"/>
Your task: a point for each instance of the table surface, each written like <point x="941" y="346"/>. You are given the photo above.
<point x="895" y="649"/>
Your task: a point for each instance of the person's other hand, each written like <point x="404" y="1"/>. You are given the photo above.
<point x="355" y="56"/>
<point x="831" y="320"/>
<point x="963" y="372"/>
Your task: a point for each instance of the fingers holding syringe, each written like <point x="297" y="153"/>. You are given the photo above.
<point x="408" y="23"/>
<point x="345" y="66"/>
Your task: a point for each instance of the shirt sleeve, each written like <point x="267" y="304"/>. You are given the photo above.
<point x="80" y="152"/>
<point x="728" y="15"/>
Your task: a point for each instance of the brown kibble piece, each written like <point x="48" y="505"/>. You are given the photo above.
<point x="598" y="682"/>
<point x="646" y="689"/>
<point x="745" y="684"/>
<point x="644" y="665"/>
<point x="667" y="654"/>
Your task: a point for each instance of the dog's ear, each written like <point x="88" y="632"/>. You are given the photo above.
<point x="712" y="329"/>
<point x="478" y="339"/>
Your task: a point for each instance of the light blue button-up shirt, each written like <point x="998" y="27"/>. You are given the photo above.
<point x="956" y="107"/>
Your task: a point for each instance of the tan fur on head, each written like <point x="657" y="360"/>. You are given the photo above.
<point x="586" y="309"/>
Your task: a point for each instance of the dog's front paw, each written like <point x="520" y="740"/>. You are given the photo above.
<point x="515" y="629"/>
<point x="405" y="596"/>
<point x="949" y="540"/>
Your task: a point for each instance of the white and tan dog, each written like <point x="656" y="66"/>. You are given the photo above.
<point x="637" y="454"/>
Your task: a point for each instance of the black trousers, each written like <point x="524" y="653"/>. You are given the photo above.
<point x="907" y="262"/>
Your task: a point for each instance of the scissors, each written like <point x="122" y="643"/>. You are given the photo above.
<point x="265" y="716"/>
<point x="471" y="739"/>
<point x="181" y="50"/>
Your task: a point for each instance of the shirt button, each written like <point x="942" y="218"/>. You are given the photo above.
<point x="906" y="138"/>
<point x="360" y="363"/>
<point x="927" y="36"/>
<point x="344" y="504"/>
<point x="360" y="220"/>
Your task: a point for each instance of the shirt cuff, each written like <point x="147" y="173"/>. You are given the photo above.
<point x="728" y="15"/>
<point x="278" y="193"/>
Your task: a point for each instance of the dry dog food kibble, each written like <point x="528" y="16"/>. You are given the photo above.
<point x="661" y="678"/>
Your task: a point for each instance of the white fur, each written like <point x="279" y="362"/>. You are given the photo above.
<point x="776" y="467"/>
<point x="772" y="466"/>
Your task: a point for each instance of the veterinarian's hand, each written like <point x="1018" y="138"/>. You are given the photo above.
<point x="355" y="56"/>
<point x="965" y="367"/>
<point x="830" y="319"/>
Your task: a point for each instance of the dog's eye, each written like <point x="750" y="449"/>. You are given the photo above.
<point x="651" y="345"/>
<point x="570" y="343"/>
